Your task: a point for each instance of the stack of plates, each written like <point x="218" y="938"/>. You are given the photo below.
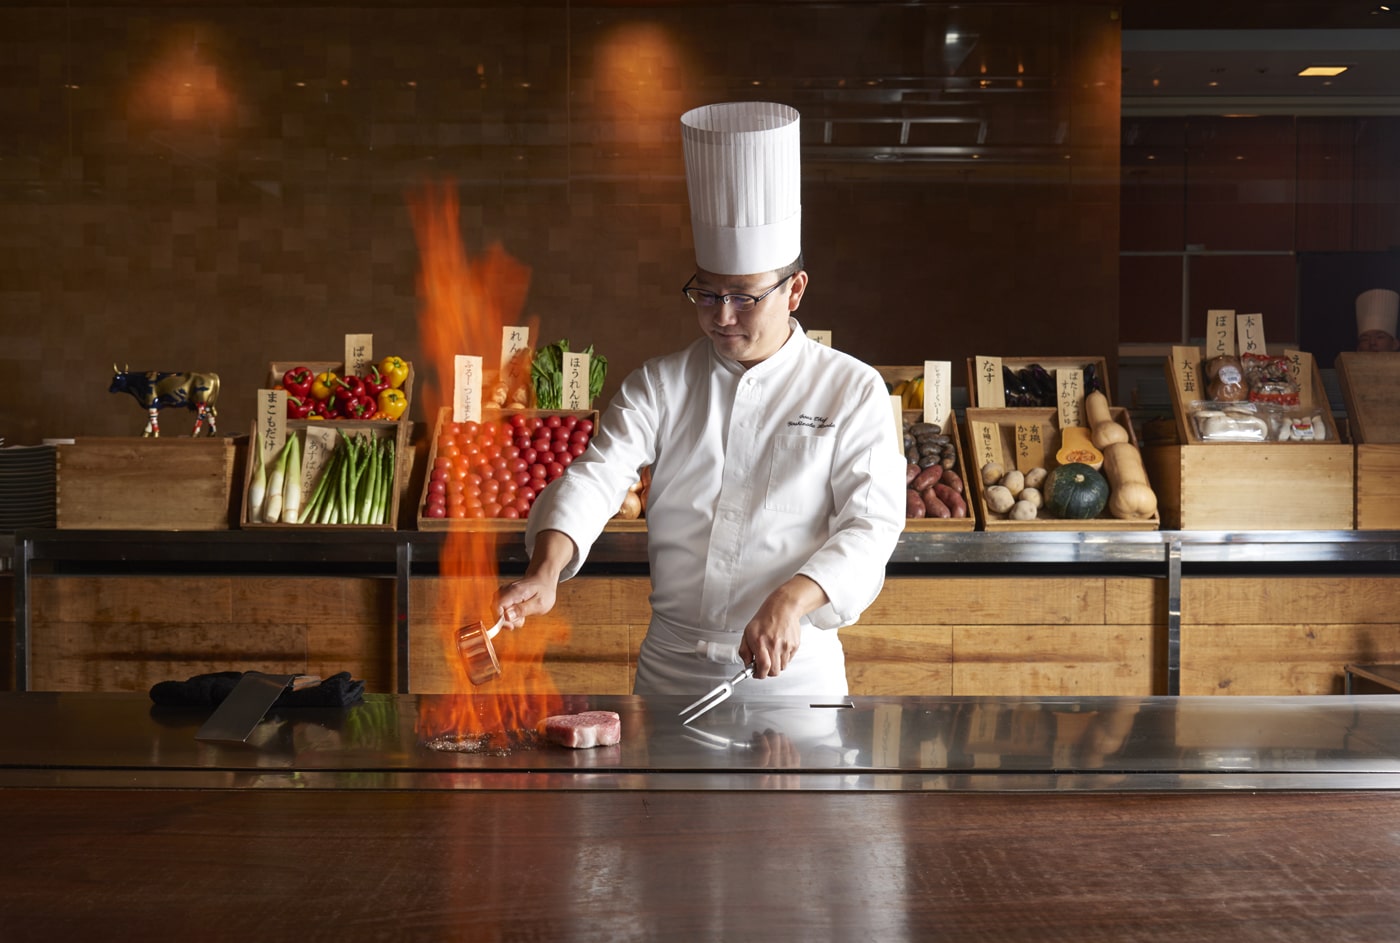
<point x="28" y="487"/>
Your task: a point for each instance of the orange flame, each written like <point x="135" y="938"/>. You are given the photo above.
<point x="465" y="303"/>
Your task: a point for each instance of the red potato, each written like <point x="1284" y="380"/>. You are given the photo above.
<point x="956" y="505"/>
<point x="932" y="505"/>
<point x="951" y="479"/>
<point x="910" y="473"/>
<point x="927" y="478"/>
<point x="913" y="504"/>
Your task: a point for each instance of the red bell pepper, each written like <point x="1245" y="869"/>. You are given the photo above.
<point x="375" y="382"/>
<point x="348" y="389"/>
<point x="360" y="407"/>
<point x="297" y="382"/>
<point x="299" y="407"/>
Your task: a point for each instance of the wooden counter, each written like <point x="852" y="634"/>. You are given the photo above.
<point x="979" y="614"/>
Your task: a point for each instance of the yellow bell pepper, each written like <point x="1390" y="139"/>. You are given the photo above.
<point x="392" y="403"/>
<point x="323" y="386"/>
<point x="395" y="370"/>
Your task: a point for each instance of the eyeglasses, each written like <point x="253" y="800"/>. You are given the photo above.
<point x="741" y="302"/>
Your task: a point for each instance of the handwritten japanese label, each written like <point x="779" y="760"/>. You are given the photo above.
<point x="1030" y="446"/>
<point x="1220" y="333"/>
<point x="514" y="339"/>
<point x="991" y="392"/>
<point x="1301" y="366"/>
<point x="575" y="392"/>
<point x="821" y="337"/>
<point x="1186" y="370"/>
<point x="359" y="354"/>
<point x="272" y="423"/>
<point x="315" y="453"/>
<point x="466" y="391"/>
<point x="986" y="442"/>
<point x="1250" y="330"/>
<point x="938" y="391"/>
<point x="1069" y="393"/>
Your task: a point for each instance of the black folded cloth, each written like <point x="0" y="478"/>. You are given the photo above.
<point x="208" y="690"/>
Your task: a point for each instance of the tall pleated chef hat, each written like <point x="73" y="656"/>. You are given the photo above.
<point x="1376" y="311"/>
<point x="744" y="172"/>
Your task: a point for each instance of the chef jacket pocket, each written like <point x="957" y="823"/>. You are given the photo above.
<point x="801" y="473"/>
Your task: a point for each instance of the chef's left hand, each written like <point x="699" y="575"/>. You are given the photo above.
<point x="774" y="633"/>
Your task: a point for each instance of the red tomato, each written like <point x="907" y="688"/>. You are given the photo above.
<point x="538" y="471"/>
<point x="564" y="458"/>
<point x="555" y="469"/>
<point x="522" y="507"/>
<point x="442" y="461"/>
<point x="526" y="491"/>
<point x="522" y="478"/>
<point x="440" y="473"/>
<point x="435" y="510"/>
<point x="458" y="512"/>
<point x="541" y="443"/>
<point x="491" y="509"/>
<point x="476" y="512"/>
<point x="437" y="486"/>
<point x="579" y="437"/>
<point x="570" y="422"/>
<point x="584" y="425"/>
<point x="510" y="511"/>
<point x="529" y="455"/>
<point x="517" y="420"/>
<point x="522" y="441"/>
<point x="489" y="487"/>
<point x="509" y="452"/>
<point x="553" y="422"/>
<point x="578" y="448"/>
<point x="561" y="445"/>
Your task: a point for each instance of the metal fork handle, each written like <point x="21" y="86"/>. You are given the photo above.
<point x="714" y="698"/>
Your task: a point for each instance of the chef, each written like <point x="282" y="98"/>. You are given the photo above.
<point x="777" y="491"/>
<point x="1376" y="312"/>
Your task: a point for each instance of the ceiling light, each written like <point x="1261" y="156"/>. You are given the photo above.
<point x="1324" y="70"/>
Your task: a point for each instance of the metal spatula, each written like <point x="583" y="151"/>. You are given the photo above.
<point x="246" y="705"/>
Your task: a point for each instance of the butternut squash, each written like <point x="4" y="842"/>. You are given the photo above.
<point x="1130" y="496"/>
<point x="1103" y="431"/>
<point x="1075" y="446"/>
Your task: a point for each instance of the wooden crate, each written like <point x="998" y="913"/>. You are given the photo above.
<point x="167" y="483"/>
<point x="507" y="525"/>
<point x="1371" y="388"/>
<point x="893" y="375"/>
<point x="1251" y="485"/>
<point x="400" y="431"/>
<point x="278" y="368"/>
<point x="1002" y="424"/>
<point x="1051" y="364"/>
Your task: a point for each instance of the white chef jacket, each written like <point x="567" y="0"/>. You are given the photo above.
<point x="790" y="466"/>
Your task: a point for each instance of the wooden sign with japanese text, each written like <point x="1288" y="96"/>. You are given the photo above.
<point x="1030" y="446"/>
<point x="938" y="392"/>
<point x="359" y="354"/>
<point x="466" y="388"/>
<point x="986" y="443"/>
<point x="1069" y="396"/>
<point x="515" y="368"/>
<point x="991" y="392"/>
<point x="574" y="393"/>
<point x="1220" y="333"/>
<point x="821" y="337"/>
<point x="1186" y="373"/>
<point x="272" y="423"/>
<point x="315" y="453"/>
<point x="1249" y="330"/>
<point x="1301" y="364"/>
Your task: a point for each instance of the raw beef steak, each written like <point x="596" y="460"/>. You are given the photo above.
<point x="581" y="731"/>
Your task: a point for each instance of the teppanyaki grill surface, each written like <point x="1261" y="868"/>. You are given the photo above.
<point x="912" y="743"/>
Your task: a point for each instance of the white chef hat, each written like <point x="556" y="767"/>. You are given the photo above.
<point x="1376" y="311"/>
<point x="744" y="172"/>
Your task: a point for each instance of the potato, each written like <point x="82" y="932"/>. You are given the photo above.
<point x="991" y="473"/>
<point x="1035" y="478"/>
<point x="1013" y="481"/>
<point x="1022" y="511"/>
<point x="1032" y="496"/>
<point x="999" y="499"/>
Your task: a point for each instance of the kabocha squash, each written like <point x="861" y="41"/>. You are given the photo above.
<point x="1075" y="492"/>
<point x="1103" y="431"/>
<point x="1131" y="497"/>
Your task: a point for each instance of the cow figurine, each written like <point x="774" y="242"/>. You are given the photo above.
<point x="156" y="390"/>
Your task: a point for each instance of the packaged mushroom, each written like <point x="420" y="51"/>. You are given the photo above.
<point x="1229" y="422"/>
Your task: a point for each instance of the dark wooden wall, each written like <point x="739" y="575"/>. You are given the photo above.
<point x="215" y="187"/>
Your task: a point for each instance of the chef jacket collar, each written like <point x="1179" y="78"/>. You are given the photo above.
<point x="778" y="361"/>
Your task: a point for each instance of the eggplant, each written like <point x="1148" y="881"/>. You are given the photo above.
<point x="1092" y="381"/>
<point x="1042" y="384"/>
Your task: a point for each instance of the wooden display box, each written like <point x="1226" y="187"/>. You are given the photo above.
<point x="495" y="414"/>
<point x="400" y="431"/>
<point x="1051" y="365"/>
<point x="893" y="375"/>
<point x="1251" y="485"/>
<point x="166" y="483"/>
<point x="1371" y="388"/>
<point x="1001" y="424"/>
<point x="277" y="369"/>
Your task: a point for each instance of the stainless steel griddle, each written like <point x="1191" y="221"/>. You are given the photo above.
<point x="863" y="743"/>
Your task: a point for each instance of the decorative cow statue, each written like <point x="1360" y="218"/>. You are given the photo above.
<point x="155" y="390"/>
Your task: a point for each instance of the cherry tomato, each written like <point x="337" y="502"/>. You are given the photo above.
<point x="555" y="469"/>
<point x="553" y="422"/>
<point x="578" y="448"/>
<point x="440" y="473"/>
<point x="435" y="510"/>
<point x="442" y="461"/>
<point x="539" y="471"/>
<point x="579" y="437"/>
<point x="529" y="455"/>
<point x="510" y="511"/>
<point x="476" y="512"/>
<point x="437" y="486"/>
<point x="560" y="446"/>
<point x="458" y="512"/>
<point x="570" y="422"/>
<point x="521" y="506"/>
<point x="491" y="509"/>
<point x="584" y="425"/>
<point x="518" y="420"/>
<point x="526" y="492"/>
<point x="564" y="458"/>
<point x="522" y="478"/>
